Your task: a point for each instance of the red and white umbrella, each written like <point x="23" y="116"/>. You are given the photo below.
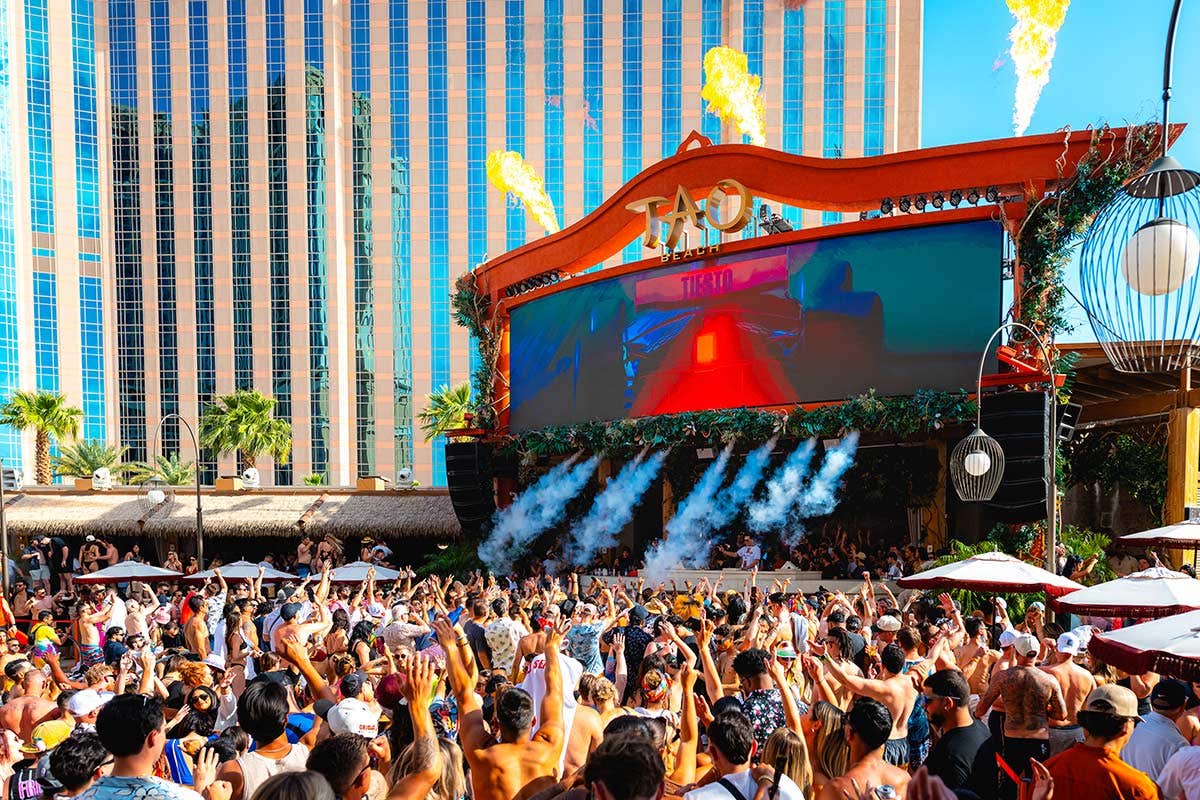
<point x="356" y="572"/>
<point x="991" y="572"/>
<point x="1154" y="592"/>
<point x="1182" y="535"/>
<point x="240" y="571"/>
<point x="128" y="571"/>
<point x="1169" y="646"/>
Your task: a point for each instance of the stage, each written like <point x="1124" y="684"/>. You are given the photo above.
<point x="801" y="581"/>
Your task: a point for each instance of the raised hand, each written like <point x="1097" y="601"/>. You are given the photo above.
<point x="418" y="685"/>
<point x="444" y="629"/>
<point x="1043" y="784"/>
<point x="555" y="637"/>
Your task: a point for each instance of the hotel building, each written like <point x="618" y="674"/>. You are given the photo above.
<point x="291" y="187"/>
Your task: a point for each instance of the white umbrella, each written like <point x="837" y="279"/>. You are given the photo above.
<point x="1182" y="535"/>
<point x="356" y="572"/>
<point x="1169" y="646"/>
<point x="991" y="572"/>
<point x="243" y="571"/>
<point x="1154" y="592"/>
<point x="128" y="571"/>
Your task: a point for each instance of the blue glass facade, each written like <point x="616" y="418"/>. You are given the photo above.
<point x="202" y="220"/>
<point x="712" y="34"/>
<point x="45" y="331"/>
<point x="552" y="128"/>
<point x="41" y="148"/>
<point x="399" y="95"/>
<point x="364" y="273"/>
<point x="161" y="20"/>
<point x="277" y="214"/>
<point x="87" y="143"/>
<point x="10" y="440"/>
<point x="477" y="130"/>
<point x="593" y="104"/>
<point x="314" y="163"/>
<point x="127" y="236"/>
<point x="514" y="106"/>
<point x="834" y="89"/>
<point x="439" y="215"/>
<point x="631" y="102"/>
<point x="239" y="195"/>
<point x="91" y="336"/>
<point x="793" y="92"/>
<point x="672" y="76"/>
<point x="752" y="41"/>
<point x="874" y="77"/>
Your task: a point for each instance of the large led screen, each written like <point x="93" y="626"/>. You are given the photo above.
<point x="895" y="311"/>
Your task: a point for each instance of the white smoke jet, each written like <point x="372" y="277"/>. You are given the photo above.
<point x="540" y="506"/>
<point x="729" y="503"/>
<point x="612" y="510"/>
<point x="782" y="490"/>
<point x="820" y="496"/>
<point x="674" y="548"/>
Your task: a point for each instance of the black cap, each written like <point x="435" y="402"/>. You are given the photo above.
<point x="950" y="683"/>
<point x="352" y="684"/>
<point x="1168" y="694"/>
<point x="289" y="611"/>
<point x="321" y="708"/>
<point x="638" y="614"/>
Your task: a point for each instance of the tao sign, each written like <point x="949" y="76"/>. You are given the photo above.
<point x="685" y="210"/>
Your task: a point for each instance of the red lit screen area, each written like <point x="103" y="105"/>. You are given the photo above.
<point x="808" y="322"/>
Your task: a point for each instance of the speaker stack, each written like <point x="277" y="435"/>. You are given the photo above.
<point x="469" y="479"/>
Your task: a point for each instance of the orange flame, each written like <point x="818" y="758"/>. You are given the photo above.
<point x="1032" y="51"/>
<point x="508" y="172"/>
<point x="733" y="93"/>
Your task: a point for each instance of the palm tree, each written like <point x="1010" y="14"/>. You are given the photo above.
<point x="168" y="469"/>
<point x="82" y="459"/>
<point x="49" y="415"/>
<point x="447" y="409"/>
<point x="242" y="422"/>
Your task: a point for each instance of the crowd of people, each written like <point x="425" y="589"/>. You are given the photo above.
<point x="500" y="688"/>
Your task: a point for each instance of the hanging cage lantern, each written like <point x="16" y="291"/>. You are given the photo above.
<point x="977" y="467"/>
<point x="1137" y="266"/>
<point x="1138" y="272"/>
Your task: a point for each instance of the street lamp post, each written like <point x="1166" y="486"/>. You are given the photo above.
<point x="977" y="463"/>
<point x="199" y="513"/>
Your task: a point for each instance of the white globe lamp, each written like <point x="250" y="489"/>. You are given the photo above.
<point x="156" y="496"/>
<point x="977" y="463"/>
<point x="1160" y="257"/>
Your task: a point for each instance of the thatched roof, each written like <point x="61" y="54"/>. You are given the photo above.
<point x="416" y="514"/>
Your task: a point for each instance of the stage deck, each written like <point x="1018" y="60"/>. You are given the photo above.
<point x="801" y="580"/>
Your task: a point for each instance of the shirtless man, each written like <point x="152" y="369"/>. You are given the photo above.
<point x="587" y="729"/>
<point x="1076" y="683"/>
<point x="91" y="615"/>
<point x="1031" y="698"/>
<point x="868" y="725"/>
<point x="518" y="766"/>
<point x="534" y="644"/>
<point x="29" y="710"/>
<point x="895" y="691"/>
<point x="196" y="632"/>
<point x="837" y="648"/>
<point x="974" y="658"/>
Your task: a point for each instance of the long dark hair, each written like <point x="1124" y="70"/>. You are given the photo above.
<point x="341" y="620"/>
<point x="202" y="723"/>
<point x="363" y="632"/>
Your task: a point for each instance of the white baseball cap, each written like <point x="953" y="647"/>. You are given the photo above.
<point x="353" y="716"/>
<point x="887" y="623"/>
<point x="1007" y="637"/>
<point x="1026" y="644"/>
<point x="1069" y="643"/>
<point x="84" y="702"/>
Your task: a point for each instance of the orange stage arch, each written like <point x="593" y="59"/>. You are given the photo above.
<point x="1026" y="167"/>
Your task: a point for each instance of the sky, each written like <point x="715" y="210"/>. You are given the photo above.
<point x="1107" y="68"/>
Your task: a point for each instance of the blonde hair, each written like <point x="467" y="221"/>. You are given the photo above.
<point x="830" y="748"/>
<point x="343" y="664"/>
<point x="786" y="747"/>
<point x="451" y="785"/>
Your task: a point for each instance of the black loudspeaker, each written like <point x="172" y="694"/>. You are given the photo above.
<point x="469" y="479"/>
<point x="1017" y="421"/>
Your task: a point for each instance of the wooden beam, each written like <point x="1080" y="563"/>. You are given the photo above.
<point x="1183" y="469"/>
<point x="1145" y="406"/>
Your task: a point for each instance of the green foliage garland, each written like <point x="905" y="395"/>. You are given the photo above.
<point x="1135" y="457"/>
<point x="472" y="311"/>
